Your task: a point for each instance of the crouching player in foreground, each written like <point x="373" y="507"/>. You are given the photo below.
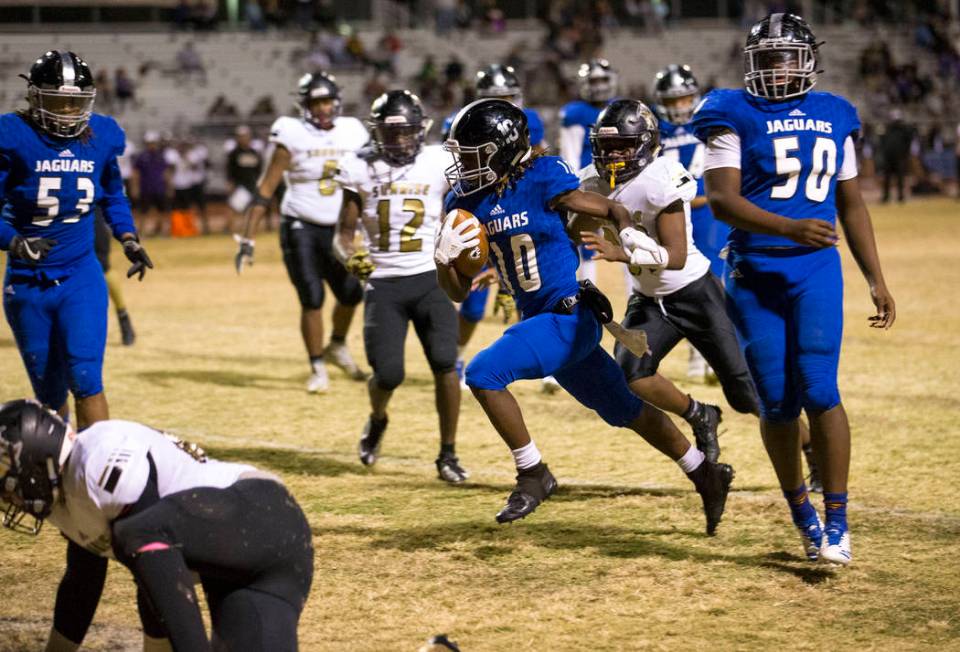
<point x="781" y="169"/>
<point x="160" y="507"/>
<point x="675" y="295"/>
<point x="397" y="194"/>
<point x="518" y="200"/>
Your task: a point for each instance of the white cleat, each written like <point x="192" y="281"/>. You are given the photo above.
<point x="550" y="385"/>
<point x="811" y="537"/>
<point x="836" y="546"/>
<point x="318" y="382"/>
<point x="339" y="356"/>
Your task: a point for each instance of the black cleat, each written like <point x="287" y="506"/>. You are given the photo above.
<point x="449" y="469"/>
<point x="705" y="431"/>
<point x="713" y="490"/>
<point x="369" y="446"/>
<point x="814" y="484"/>
<point x="127" y="336"/>
<point x="534" y="485"/>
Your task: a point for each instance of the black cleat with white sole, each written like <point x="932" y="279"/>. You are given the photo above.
<point x="449" y="469"/>
<point x="534" y="485"/>
<point x="705" y="426"/>
<point x="713" y="488"/>
<point x="369" y="447"/>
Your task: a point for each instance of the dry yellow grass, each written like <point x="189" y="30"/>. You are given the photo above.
<point x="617" y="560"/>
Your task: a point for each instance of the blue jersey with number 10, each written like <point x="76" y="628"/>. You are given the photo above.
<point x="790" y="153"/>
<point x="529" y="246"/>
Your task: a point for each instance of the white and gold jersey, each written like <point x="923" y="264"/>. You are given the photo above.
<point x="401" y="209"/>
<point x="658" y="185"/>
<point x="313" y="195"/>
<point x="108" y="469"/>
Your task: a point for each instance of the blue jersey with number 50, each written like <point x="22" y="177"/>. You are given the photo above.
<point x="529" y="247"/>
<point x="48" y="185"/>
<point x="790" y="152"/>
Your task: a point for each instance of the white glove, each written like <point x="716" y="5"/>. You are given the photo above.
<point x="643" y="250"/>
<point x="451" y="240"/>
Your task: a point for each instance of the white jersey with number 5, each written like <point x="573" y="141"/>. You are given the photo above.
<point x="661" y="183"/>
<point x="401" y="209"/>
<point x="313" y="195"/>
<point x="108" y="469"/>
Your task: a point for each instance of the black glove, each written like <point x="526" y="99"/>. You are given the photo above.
<point x="244" y="252"/>
<point x="593" y="298"/>
<point x="137" y="255"/>
<point x="32" y="250"/>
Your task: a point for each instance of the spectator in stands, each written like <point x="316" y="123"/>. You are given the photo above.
<point x="427" y="78"/>
<point x="256" y="19"/>
<point x="150" y="184"/>
<point x="124" y="89"/>
<point x="189" y="63"/>
<point x="222" y="109"/>
<point x="354" y="47"/>
<point x="494" y="20"/>
<point x="104" y="91"/>
<point x="204" y="15"/>
<point x="895" y="145"/>
<point x="263" y="108"/>
<point x="244" y="164"/>
<point x="374" y="87"/>
<point x="389" y="47"/>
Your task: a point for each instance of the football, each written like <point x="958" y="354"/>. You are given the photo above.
<point x="470" y="261"/>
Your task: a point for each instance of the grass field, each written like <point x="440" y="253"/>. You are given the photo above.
<point x="617" y="559"/>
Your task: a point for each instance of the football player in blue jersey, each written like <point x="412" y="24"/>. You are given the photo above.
<point x="58" y="159"/>
<point x="493" y="81"/>
<point x="781" y="170"/>
<point x="519" y="197"/>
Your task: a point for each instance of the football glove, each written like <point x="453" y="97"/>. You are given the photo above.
<point x="244" y="252"/>
<point x="32" y="250"/>
<point x="643" y="250"/>
<point x="360" y="265"/>
<point x="451" y="240"/>
<point x="137" y="255"/>
<point x="504" y="303"/>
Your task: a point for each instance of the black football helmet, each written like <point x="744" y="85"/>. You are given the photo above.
<point x="624" y="140"/>
<point x="500" y="81"/>
<point x="31" y="440"/>
<point x="61" y="91"/>
<point x="488" y="139"/>
<point x="780" y="58"/>
<point x="673" y="85"/>
<point x="318" y="86"/>
<point x="398" y="126"/>
<point x="597" y="80"/>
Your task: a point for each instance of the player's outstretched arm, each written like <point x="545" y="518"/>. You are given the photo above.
<point x="723" y="193"/>
<point x="593" y="204"/>
<point x="357" y="261"/>
<point x="77" y="598"/>
<point x="857" y="226"/>
<point x="269" y="180"/>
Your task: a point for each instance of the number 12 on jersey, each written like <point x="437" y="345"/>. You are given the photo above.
<point x="524" y="260"/>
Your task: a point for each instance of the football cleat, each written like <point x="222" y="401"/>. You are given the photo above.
<point x="713" y="492"/>
<point x="339" y="355"/>
<point x="369" y="447"/>
<point x="550" y="385"/>
<point x="127" y="335"/>
<point x="318" y="382"/>
<point x="705" y="431"/>
<point x="461" y="373"/>
<point x="534" y="485"/>
<point x="449" y="469"/>
<point x="836" y="546"/>
<point x="811" y="536"/>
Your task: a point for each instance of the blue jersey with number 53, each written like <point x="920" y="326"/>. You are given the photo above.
<point x="790" y="152"/>
<point x="529" y="247"/>
<point x="48" y="185"/>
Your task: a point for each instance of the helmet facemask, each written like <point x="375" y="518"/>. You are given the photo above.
<point x="320" y="111"/>
<point x="63" y="112"/>
<point x="471" y="170"/>
<point x="779" y="69"/>
<point x="399" y="143"/>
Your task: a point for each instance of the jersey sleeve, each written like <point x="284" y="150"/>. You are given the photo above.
<point x="116" y="470"/>
<point x="556" y="178"/>
<point x="713" y="114"/>
<point x="114" y="203"/>
<point x="282" y="132"/>
<point x="673" y="182"/>
<point x="351" y="173"/>
<point x="8" y="147"/>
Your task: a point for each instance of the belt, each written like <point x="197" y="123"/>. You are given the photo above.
<point x="566" y="305"/>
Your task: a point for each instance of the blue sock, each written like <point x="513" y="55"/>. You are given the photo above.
<point x="800" y="507"/>
<point x="836" y="508"/>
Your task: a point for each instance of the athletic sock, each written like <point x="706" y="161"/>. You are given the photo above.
<point x="836" y="509"/>
<point x="694" y="411"/>
<point x="339" y="340"/>
<point x="316" y="363"/>
<point x="446" y="449"/>
<point x="692" y="463"/>
<point x="801" y="509"/>
<point x="527" y="456"/>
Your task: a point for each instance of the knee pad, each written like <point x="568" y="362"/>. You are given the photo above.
<point x="480" y="374"/>
<point x="618" y="414"/>
<point x="351" y="293"/>
<point x="389" y="377"/>
<point x="742" y="400"/>
<point x="821" y="398"/>
<point x="86" y="378"/>
<point x="443" y="365"/>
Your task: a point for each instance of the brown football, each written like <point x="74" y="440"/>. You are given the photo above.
<point x="470" y="261"/>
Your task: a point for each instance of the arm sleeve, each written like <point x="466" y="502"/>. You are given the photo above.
<point x="723" y="151"/>
<point x="849" y="168"/>
<point x="571" y="145"/>
<point x="79" y="593"/>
